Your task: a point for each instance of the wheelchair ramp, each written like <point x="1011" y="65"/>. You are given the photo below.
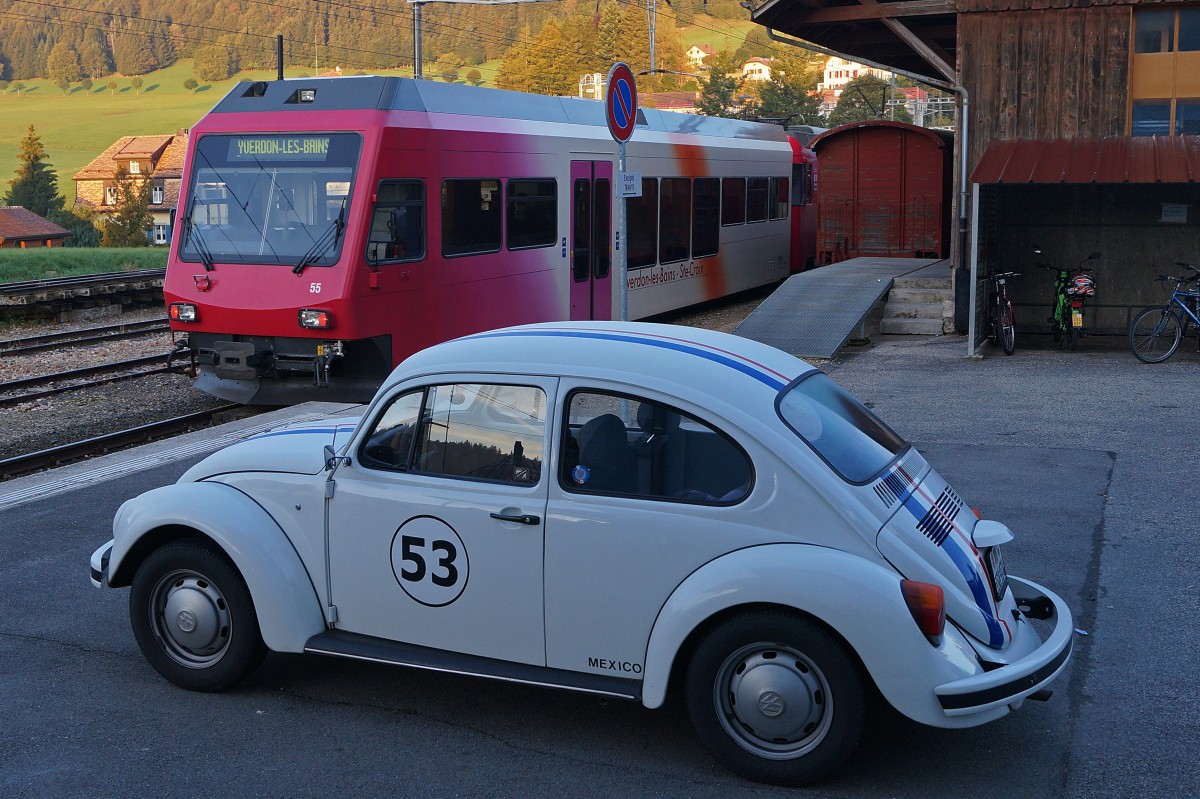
<point x="813" y="313"/>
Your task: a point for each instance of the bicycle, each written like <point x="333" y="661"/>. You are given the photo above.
<point x="1071" y="288"/>
<point x="1152" y="328"/>
<point x="1001" y="320"/>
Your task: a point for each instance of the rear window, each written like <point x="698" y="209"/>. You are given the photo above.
<point x="843" y="431"/>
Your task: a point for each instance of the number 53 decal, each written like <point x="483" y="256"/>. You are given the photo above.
<point x="429" y="561"/>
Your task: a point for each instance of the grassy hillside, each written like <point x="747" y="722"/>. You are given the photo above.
<point x="76" y="127"/>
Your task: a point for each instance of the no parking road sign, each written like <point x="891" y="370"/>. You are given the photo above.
<point x="620" y="102"/>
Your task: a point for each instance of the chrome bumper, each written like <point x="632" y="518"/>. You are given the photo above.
<point x="1012" y="683"/>
<point x="100" y="565"/>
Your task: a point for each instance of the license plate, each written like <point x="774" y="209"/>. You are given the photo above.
<point x="1076" y="319"/>
<point x="995" y="561"/>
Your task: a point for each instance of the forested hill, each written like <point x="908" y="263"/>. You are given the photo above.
<point x="70" y="40"/>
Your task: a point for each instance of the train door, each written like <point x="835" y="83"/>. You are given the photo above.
<point x="591" y="239"/>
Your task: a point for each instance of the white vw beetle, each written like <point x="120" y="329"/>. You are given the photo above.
<point x="602" y="507"/>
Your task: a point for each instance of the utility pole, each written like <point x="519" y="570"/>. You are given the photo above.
<point x="418" y="73"/>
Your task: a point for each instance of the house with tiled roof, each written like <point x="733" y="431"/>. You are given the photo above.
<point x="756" y="68"/>
<point x="697" y="53"/>
<point x="158" y="159"/>
<point x="20" y="227"/>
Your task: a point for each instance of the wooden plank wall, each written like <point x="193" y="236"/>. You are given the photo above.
<point x="1045" y="73"/>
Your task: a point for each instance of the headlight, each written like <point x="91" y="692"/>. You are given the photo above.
<point x="183" y="312"/>
<point x="316" y="318"/>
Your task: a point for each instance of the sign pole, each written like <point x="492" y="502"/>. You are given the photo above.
<point x="622" y="240"/>
<point x="620" y="108"/>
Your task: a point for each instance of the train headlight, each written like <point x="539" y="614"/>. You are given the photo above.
<point x="316" y="318"/>
<point x="183" y="312"/>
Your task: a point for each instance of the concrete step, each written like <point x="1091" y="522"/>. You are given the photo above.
<point x="913" y="310"/>
<point x="911" y="327"/>
<point x="910" y="282"/>
<point x="906" y="295"/>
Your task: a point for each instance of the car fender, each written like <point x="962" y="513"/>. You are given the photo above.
<point x="287" y="603"/>
<point x="858" y="599"/>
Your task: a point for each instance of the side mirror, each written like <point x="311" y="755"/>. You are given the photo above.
<point x="332" y="459"/>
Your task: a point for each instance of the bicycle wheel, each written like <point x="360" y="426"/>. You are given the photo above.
<point x="1006" y="332"/>
<point x="1154" y="334"/>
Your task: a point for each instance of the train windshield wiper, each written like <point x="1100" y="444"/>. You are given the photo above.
<point x="194" y="238"/>
<point x="325" y="241"/>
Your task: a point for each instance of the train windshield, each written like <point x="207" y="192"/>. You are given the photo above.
<point x="280" y="198"/>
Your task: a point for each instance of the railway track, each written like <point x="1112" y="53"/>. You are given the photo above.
<point x="21" y="287"/>
<point x="15" y="392"/>
<point x="78" y="338"/>
<point x="98" y="445"/>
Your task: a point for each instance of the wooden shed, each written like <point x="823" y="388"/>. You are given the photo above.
<point x="884" y="189"/>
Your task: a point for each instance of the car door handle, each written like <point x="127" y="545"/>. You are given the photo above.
<point x="519" y="518"/>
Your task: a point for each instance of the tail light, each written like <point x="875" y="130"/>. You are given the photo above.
<point x="183" y="312"/>
<point x="315" y="318"/>
<point x="927" y="604"/>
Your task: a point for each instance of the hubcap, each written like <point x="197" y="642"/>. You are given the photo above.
<point x="190" y="618"/>
<point x="773" y="701"/>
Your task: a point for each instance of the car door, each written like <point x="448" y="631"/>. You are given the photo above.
<point x="436" y="527"/>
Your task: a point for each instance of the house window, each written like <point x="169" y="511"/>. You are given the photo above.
<point x="110" y="195"/>
<point x="160" y="234"/>
<point x="1187" y="117"/>
<point x="156" y="195"/>
<point x="1165" y="77"/>
<point x="135" y="168"/>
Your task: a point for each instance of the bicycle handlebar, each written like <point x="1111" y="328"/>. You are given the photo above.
<point x="998" y="275"/>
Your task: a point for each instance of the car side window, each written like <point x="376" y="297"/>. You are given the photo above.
<point x="614" y="444"/>
<point x="471" y="430"/>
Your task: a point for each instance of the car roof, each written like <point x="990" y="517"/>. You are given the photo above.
<point x="666" y="357"/>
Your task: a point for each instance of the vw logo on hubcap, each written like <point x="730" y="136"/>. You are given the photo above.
<point x="770" y="704"/>
<point x="186" y="621"/>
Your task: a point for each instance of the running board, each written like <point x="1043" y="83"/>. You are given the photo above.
<point x="378" y="650"/>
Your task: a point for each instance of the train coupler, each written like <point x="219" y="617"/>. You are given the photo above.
<point x="182" y="349"/>
<point x="327" y="354"/>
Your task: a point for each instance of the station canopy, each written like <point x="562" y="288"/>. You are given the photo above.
<point x="891" y="32"/>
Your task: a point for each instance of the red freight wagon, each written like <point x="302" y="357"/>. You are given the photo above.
<point x="885" y="191"/>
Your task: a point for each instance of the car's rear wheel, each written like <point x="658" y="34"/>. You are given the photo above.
<point x="776" y="698"/>
<point x="194" y="618"/>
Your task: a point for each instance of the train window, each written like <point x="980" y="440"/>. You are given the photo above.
<point x="675" y="214"/>
<point x="706" y="217"/>
<point x="398" y="222"/>
<point x="801" y="184"/>
<point x="756" y="199"/>
<point x="602" y="234"/>
<point x="532" y="213"/>
<point x="278" y="198"/>
<point x="733" y="201"/>
<point x="471" y="216"/>
<point x="641" y="218"/>
<point x="779" y="198"/>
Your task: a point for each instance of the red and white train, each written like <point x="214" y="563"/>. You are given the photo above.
<point x="331" y="227"/>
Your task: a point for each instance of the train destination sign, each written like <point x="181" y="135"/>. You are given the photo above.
<point x="279" y="148"/>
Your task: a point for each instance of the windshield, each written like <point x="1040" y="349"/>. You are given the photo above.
<point x="269" y="198"/>
<point x="841" y="429"/>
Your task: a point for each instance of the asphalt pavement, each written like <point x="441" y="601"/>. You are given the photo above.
<point x="1089" y="456"/>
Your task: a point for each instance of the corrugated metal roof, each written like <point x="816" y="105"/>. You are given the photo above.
<point x="1113" y="159"/>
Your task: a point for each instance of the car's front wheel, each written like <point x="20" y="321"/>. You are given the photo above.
<point x="194" y="618"/>
<point x="776" y="698"/>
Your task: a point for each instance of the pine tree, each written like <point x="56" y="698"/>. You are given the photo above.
<point x="790" y="94"/>
<point x="718" y="96"/>
<point x="127" y="226"/>
<point x="34" y="188"/>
